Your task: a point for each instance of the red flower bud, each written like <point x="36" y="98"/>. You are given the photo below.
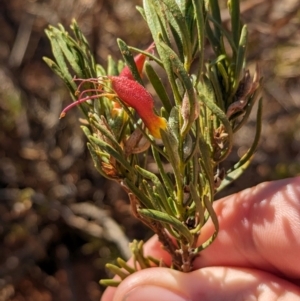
<point x="137" y="97"/>
<point x="139" y="61"/>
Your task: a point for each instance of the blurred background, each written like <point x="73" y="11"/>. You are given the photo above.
<point x="60" y="222"/>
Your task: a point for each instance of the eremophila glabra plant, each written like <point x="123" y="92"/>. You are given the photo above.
<point x="208" y="97"/>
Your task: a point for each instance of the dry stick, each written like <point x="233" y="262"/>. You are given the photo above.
<point x="22" y="40"/>
<point x="103" y="226"/>
<point x="112" y="230"/>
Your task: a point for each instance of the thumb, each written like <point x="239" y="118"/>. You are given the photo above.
<point x="213" y="283"/>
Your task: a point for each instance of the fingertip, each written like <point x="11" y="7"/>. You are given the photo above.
<point x="151" y="293"/>
<point x="151" y="285"/>
<point x="215" y="283"/>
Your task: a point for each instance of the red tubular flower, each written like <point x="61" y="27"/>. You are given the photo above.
<point x="139" y="61"/>
<point x="137" y="97"/>
<point x="132" y="94"/>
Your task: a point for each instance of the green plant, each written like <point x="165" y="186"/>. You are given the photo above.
<point x="212" y="95"/>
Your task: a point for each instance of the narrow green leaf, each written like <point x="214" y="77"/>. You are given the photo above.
<point x="108" y="135"/>
<point x="116" y="270"/>
<point x="56" y="69"/>
<point x="84" y="45"/>
<point x="137" y="249"/>
<point x="72" y="54"/>
<point x="86" y="131"/>
<point x="123" y="264"/>
<point x="100" y="71"/>
<point x="214" y="78"/>
<point x="166" y="180"/>
<point x="155" y="180"/>
<point x="199" y="207"/>
<point x="141" y="11"/>
<point x="208" y="100"/>
<point x="200" y="23"/>
<point x="110" y="150"/>
<point x="158" y="187"/>
<point x="129" y="59"/>
<point x="196" y="143"/>
<point x="155" y="21"/>
<point x="151" y="56"/>
<point x="137" y="192"/>
<point x="171" y="149"/>
<point x="245" y="160"/>
<point x="233" y="175"/>
<point x="110" y="282"/>
<point x="208" y="204"/>
<point x="54" y="37"/>
<point x="234" y="9"/>
<point x="96" y="161"/>
<point x="158" y="87"/>
<point x="212" y="39"/>
<point x="171" y="220"/>
<point x="173" y="124"/>
<point x="112" y="67"/>
<point x="206" y="161"/>
<point x="180" y="27"/>
<point x="216" y="15"/>
<point x="166" y="60"/>
<point x="215" y="221"/>
<point x="225" y="34"/>
<point x="179" y="70"/>
<point x="224" y="75"/>
<point x="148" y="190"/>
<point x="240" y="60"/>
<point x="182" y="6"/>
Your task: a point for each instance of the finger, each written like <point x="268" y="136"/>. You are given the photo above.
<point x="213" y="283"/>
<point x="247" y="237"/>
<point x="259" y="228"/>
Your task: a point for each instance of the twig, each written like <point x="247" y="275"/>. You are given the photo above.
<point x="111" y="230"/>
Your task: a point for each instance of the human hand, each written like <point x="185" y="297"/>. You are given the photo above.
<point x="256" y="255"/>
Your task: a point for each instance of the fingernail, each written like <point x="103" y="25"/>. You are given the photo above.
<point x="153" y="293"/>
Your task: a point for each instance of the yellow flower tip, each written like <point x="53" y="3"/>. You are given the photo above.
<point x="156" y="126"/>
